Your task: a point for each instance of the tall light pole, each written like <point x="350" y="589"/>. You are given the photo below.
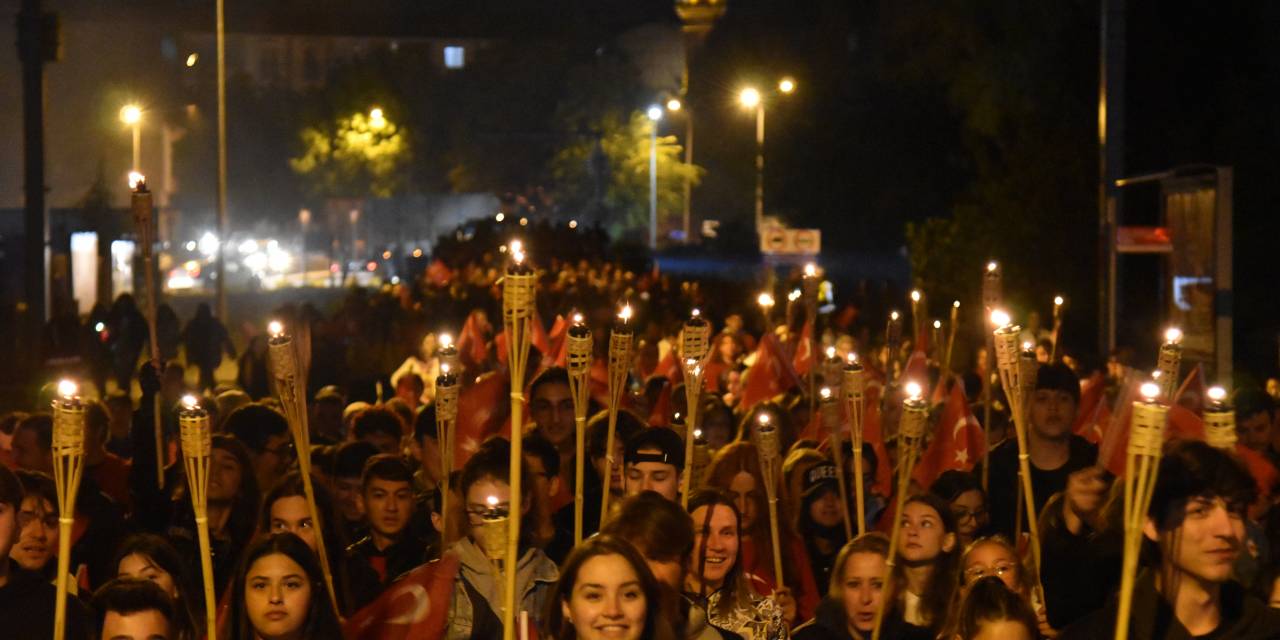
<point x="131" y="114"/>
<point x="752" y="99"/>
<point x="655" y="114"/>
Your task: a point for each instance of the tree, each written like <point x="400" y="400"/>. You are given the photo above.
<point x="606" y="175"/>
<point x="360" y="154"/>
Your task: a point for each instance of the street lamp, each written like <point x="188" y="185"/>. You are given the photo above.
<point x="131" y="114"/>
<point x="751" y="98"/>
<point x="655" y="114"/>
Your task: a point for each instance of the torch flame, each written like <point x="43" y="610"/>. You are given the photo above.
<point x="893" y="315"/>
<point x="577" y="318"/>
<point x="851" y="358"/>
<point x="1150" y="391"/>
<point x="763" y="419"/>
<point x="1057" y="301"/>
<point x="765" y="300"/>
<point x="100" y="327"/>
<point x="913" y="389"/>
<point x="937" y="324"/>
<point x="445" y="340"/>
<point x="697" y="433"/>
<point x="1173" y="335"/>
<point x="956" y="304"/>
<point x="625" y="313"/>
<point x="992" y="266"/>
<point x="1217" y="394"/>
<point x="67" y="388"/>
<point x="794" y="295"/>
<point x="695" y="313"/>
<point x="1000" y="318"/>
<point x="831" y="352"/>
<point x="1027" y="345"/>
<point x="810" y="270"/>
<point x="825" y="392"/>
<point x="444" y="368"/>
<point x="275" y="328"/>
<point x="915" y="295"/>
<point x="189" y="402"/>
<point x="136" y="179"/>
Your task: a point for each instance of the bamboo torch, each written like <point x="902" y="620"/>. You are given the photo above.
<point x="767" y="447"/>
<point x="856" y="400"/>
<point x="144" y="227"/>
<point x="1169" y="364"/>
<point x="831" y="420"/>
<point x="951" y="338"/>
<point x="619" y="364"/>
<point x="766" y="303"/>
<point x="1142" y="459"/>
<point x="893" y="343"/>
<point x="992" y="294"/>
<point x="1013" y="377"/>
<point x="916" y="326"/>
<point x="832" y="367"/>
<point x="491" y="534"/>
<point x="695" y="347"/>
<point x="519" y="286"/>
<point x="1219" y="420"/>
<point x="68" y="467"/>
<point x="447" y="391"/>
<point x="701" y="458"/>
<point x="291" y="384"/>
<point x="196" y="439"/>
<point x="809" y="291"/>
<point x="915" y="415"/>
<point x="1057" y="326"/>
<point x="579" y="366"/>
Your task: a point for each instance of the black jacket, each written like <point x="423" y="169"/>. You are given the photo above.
<point x="396" y="560"/>
<point x="27" y="607"/>
<point x="1243" y="617"/>
<point x="830" y="623"/>
<point x="1003" y="499"/>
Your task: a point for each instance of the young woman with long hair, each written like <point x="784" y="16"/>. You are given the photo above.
<point x="278" y="593"/>
<point x="147" y="556"/>
<point x="928" y="561"/>
<point x="990" y="611"/>
<point x="717" y="578"/>
<point x="285" y="510"/>
<point x="735" y="471"/>
<point x="857" y="591"/>
<point x="606" y="590"/>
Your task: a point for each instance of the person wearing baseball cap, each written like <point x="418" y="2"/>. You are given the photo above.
<point x="653" y="459"/>
<point x="821" y="520"/>
<point x="1055" y="452"/>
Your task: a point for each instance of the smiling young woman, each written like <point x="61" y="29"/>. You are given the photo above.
<point x="606" y="590"/>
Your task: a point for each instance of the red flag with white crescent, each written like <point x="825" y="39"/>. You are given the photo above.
<point x="769" y="375"/>
<point x="415" y="606"/>
<point x="957" y="443"/>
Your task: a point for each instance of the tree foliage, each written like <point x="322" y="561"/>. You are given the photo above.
<point x="355" y="155"/>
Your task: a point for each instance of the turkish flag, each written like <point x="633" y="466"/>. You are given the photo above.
<point x="802" y="361"/>
<point x="558" y="342"/>
<point x="769" y="375"/>
<point x="415" y="606"/>
<point x="473" y="347"/>
<point x="1192" y="392"/>
<point x="483" y="411"/>
<point x="669" y="367"/>
<point x="957" y="443"/>
<point x="1092" y="411"/>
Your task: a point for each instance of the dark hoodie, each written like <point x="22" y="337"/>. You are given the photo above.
<point x="27" y="607"/>
<point x="1243" y="617"/>
<point x="830" y="623"/>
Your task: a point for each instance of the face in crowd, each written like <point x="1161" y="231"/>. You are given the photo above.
<point x="388" y="505"/>
<point x="290" y="514"/>
<point x="1052" y="413"/>
<point x="277" y="595"/>
<point x="923" y="535"/>
<point x="607" y="601"/>
<point x="659" y="477"/>
<point x="37" y="535"/>
<point x="1206" y="543"/>
<point x="993" y="558"/>
<point x="970" y="512"/>
<point x="717" y="543"/>
<point x="552" y="410"/>
<point x="862" y="589"/>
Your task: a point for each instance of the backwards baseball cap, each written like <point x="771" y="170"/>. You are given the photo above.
<point x="820" y="477"/>
<point x="1058" y="377"/>
<point x="670" y="450"/>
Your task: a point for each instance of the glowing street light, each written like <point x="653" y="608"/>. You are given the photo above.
<point x="376" y="118"/>
<point x="787" y="85"/>
<point x="674" y="104"/>
<point x="655" y="114"/>
<point x="751" y="98"/>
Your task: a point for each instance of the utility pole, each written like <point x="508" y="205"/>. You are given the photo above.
<point x="37" y="44"/>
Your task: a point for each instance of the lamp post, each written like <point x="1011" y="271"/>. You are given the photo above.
<point x="131" y="114"/>
<point x="655" y="114"/>
<point x="751" y="98"/>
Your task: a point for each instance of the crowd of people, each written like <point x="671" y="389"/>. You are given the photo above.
<point x="658" y="565"/>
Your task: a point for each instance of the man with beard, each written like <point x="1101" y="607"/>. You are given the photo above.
<point x="1055" y="452"/>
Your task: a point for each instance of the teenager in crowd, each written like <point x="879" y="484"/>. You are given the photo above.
<point x="37" y="546"/>
<point x="717" y="579"/>
<point x="285" y="510"/>
<point x="146" y="556"/>
<point x="607" y="591"/>
<point x="735" y="471"/>
<point x="543" y="462"/>
<point x="278" y="593"/>
<point x="477" y="594"/>
<point x="134" y="609"/>
<point x="926" y="571"/>
<point x="380" y="427"/>
<point x="597" y="441"/>
<point x="389" y="550"/>
<point x="265" y="433"/>
<point x="654" y="459"/>
<point x="856" y="592"/>
<point x="232" y="506"/>
<point x="1194" y="532"/>
<point x="820" y="519"/>
<point x="551" y="410"/>
<point x="27" y="600"/>
<point x="990" y="611"/>
<point x="962" y="490"/>
<point x="348" y="466"/>
<point x="1055" y="452"/>
<point x="995" y="557"/>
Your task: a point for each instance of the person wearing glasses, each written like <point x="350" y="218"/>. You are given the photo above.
<point x="389" y="550"/>
<point x="968" y="502"/>
<point x="265" y="432"/>
<point x="994" y="557"/>
<point x="475" y="607"/>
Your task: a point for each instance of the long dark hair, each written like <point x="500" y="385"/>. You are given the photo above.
<point x="188" y="609"/>
<point x="335" y="539"/>
<point x="937" y="597"/>
<point x="735" y="593"/>
<point x="244" y="506"/>
<point x="659" y="601"/>
<point x="989" y="600"/>
<point x="321" y="622"/>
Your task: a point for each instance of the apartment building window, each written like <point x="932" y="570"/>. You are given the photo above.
<point x="454" y="57"/>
